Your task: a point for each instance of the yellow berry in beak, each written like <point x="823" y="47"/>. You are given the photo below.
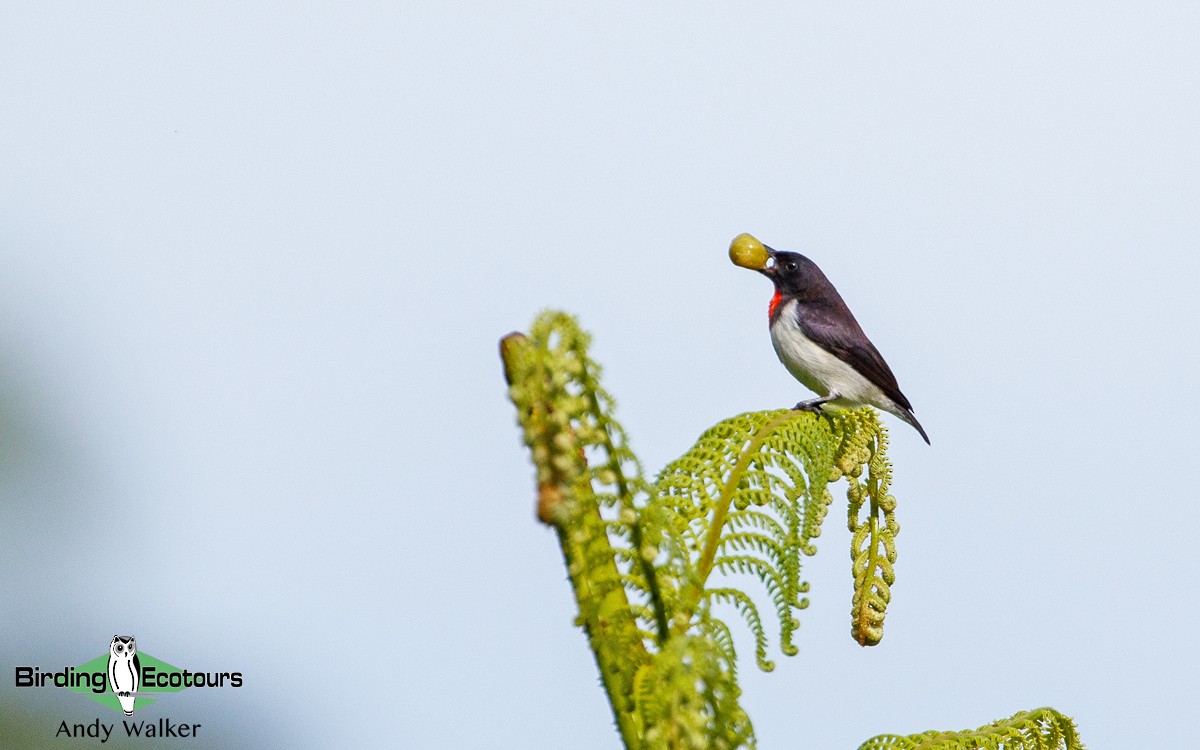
<point x="747" y="252"/>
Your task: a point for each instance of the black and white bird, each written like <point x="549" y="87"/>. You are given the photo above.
<point x="822" y="345"/>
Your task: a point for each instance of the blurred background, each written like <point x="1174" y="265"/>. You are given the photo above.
<point x="255" y="260"/>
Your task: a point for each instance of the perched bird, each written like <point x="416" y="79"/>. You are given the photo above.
<point x="817" y="338"/>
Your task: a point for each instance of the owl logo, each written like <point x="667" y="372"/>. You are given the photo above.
<point x="124" y="670"/>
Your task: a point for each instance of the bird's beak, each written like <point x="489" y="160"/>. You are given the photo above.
<point x="769" y="269"/>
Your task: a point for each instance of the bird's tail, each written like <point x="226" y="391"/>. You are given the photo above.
<point x="907" y="416"/>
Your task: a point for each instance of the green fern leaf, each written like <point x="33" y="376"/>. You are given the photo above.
<point x="582" y="466"/>
<point x="871" y="520"/>
<point x="750" y="497"/>
<point x="688" y="699"/>
<point x="1040" y="729"/>
<point x="745" y="606"/>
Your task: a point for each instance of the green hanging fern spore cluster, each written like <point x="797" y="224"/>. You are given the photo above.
<point x="746" y="501"/>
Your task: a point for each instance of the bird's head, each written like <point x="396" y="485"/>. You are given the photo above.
<point x="792" y="273"/>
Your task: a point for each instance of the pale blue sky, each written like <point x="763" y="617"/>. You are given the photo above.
<point x="254" y="263"/>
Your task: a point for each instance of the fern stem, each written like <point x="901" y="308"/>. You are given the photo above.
<point x="647" y="567"/>
<point x="618" y="655"/>
<point x="656" y="598"/>
<point x="873" y="520"/>
<point x="560" y="459"/>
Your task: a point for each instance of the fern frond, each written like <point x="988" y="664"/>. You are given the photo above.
<point x="749" y="612"/>
<point x="722" y="636"/>
<point x="688" y="699"/>
<point x="774" y="582"/>
<point x="756" y="520"/>
<point x="566" y="422"/>
<point x="757" y="484"/>
<point x="1039" y="729"/>
<point x="752" y="541"/>
<point x="872" y="523"/>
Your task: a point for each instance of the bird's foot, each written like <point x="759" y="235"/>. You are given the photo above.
<point x="814" y="404"/>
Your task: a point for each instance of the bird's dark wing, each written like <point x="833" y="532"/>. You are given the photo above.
<point x="833" y="327"/>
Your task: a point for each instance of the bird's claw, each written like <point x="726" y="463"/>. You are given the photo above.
<point x="813" y="406"/>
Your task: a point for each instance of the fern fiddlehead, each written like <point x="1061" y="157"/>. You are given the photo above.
<point x="561" y="421"/>
<point x="872" y="524"/>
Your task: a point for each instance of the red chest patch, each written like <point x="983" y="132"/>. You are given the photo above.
<point x="774" y="304"/>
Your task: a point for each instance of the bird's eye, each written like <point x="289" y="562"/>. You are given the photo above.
<point x="791" y="265"/>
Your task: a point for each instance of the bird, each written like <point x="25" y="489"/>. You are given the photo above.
<point x="818" y="339"/>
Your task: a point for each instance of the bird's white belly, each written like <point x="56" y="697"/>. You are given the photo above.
<point x="821" y="372"/>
